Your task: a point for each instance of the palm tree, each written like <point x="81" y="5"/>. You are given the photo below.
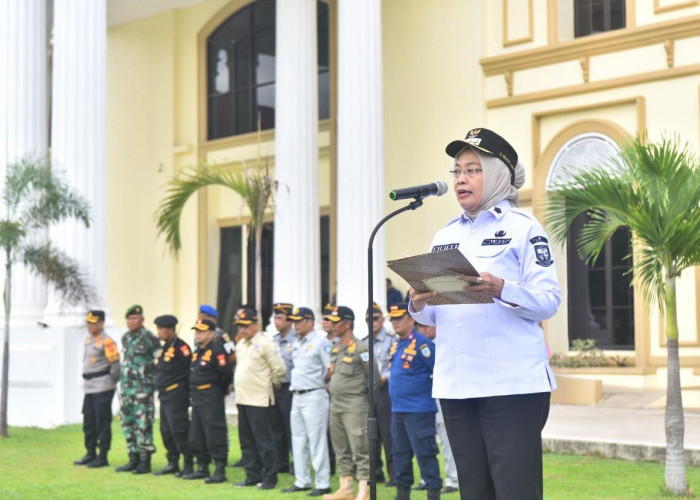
<point x="656" y="193"/>
<point x="253" y="184"/>
<point x="34" y="197"/>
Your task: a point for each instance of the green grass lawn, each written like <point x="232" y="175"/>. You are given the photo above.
<point x="38" y="464"/>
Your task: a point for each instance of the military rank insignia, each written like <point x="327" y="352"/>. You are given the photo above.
<point x="111" y="351"/>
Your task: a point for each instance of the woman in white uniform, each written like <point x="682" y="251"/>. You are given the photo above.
<point x="492" y="373"/>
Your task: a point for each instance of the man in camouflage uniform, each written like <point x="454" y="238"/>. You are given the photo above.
<point x="349" y="388"/>
<point x="141" y="348"/>
<point x="100" y="372"/>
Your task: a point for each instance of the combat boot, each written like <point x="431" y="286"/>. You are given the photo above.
<point x="362" y="490"/>
<point x="219" y="473"/>
<point x="144" y="466"/>
<point x="434" y="494"/>
<point x="201" y="472"/>
<point x="345" y="491"/>
<point x="186" y="467"/>
<point x="100" y="461"/>
<point x="171" y="468"/>
<point x="131" y="464"/>
<point x="403" y="493"/>
<point x="87" y="458"/>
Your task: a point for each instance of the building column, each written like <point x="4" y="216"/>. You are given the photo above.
<point x="23" y="124"/>
<point x="78" y="137"/>
<point x="360" y="154"/>
<point x="297" y="260"/>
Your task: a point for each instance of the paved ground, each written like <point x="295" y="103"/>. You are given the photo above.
<point x="621" y="425"/>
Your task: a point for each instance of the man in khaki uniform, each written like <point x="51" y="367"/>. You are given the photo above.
<point x="260" y="367"/>
<point x="349" y="388"/>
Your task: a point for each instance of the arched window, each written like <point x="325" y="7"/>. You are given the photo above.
<point x="241" y="70"/>
<point x="600" y="299"/>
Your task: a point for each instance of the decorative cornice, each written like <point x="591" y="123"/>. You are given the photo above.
<point x="602" y="43"/>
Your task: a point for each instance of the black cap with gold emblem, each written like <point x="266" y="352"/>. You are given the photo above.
<point x="490" y="143"/>
<point x="95" y="316"/>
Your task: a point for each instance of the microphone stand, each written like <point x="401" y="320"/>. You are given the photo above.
<point x="372" y="419"/>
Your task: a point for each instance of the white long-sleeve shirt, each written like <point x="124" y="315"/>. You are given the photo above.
<point x="496" y="349"/>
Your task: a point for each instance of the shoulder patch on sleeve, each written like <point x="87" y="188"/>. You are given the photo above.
<point x="364" y="356"/>
<point x="221" y="358"/>
<point x="185" y="350"/>
<point x="327" y="348"/>
<point x="111" y="351"/>
<point x="425" y="350"/>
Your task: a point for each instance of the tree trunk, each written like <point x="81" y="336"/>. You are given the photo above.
<point x="6" y="347"/>
<point x="675" y="425"/>
<point x="258" y="268"/>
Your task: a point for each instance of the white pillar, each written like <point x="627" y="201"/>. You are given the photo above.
<point x="360" y="154"/>
<point x="297" y="258"/>
<point x="78" y="135"/>
<point x="23" y="123"/>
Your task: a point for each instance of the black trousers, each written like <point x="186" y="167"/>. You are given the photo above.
<point x="257" y="443"/>
<point x="208" y="434"/>
<point x="174" y="427"/>
<point x="97" y="421"/>
<point x="383" y="408"/>
<point x="497" y="445"/>
<point x="282" y="427"/>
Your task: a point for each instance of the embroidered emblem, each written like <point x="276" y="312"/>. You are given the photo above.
<point x="441" y="248"/>
<point x="500" y="234"/>
<point x="327" y="348"/>
<point x="185" y="350"/>
<point x="425" y="351"/>
<point x="543" y="256"/>
<point x="222" y="359"/>
<point x="364" y="356"/>
<point x="495" y="241"/>
<point x="538" y="239"/>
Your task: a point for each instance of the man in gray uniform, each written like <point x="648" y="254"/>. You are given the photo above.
<point x="284" y="338"/>
<point x="310" y="404"/>
<point x="382" y="402"/>
<point x="100" y="373"/>
<point x="349" y="387"/>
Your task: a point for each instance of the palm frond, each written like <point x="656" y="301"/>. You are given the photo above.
<point x="656" y="195"/>
<point x="61" y="271"/>
<point x="254" y="185"/>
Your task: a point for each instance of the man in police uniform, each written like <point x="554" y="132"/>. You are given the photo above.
<point x="349" y="388"/>
<point x="310" y="405"/>
<point x="382" y="402"/>
<point x="284" y="338"/>
<point x="172" y="383"/>
<point x="210" y="377"/>
<point x="100" y="372"/>
<point x="411" y="359"/>
<point x="137" y="385"/>
<point x="260" y="366"/>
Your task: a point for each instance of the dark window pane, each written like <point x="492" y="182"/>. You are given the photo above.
<point x="621" y="247"/>
<point x="596" y="287"/>
<point x="324" y="95"/>
<point x="267" y="260"/>
<point x="235" y="27"/>
<point x="265" y="96"/>
<point x="621" y="290"/>
<point x="325" y="259"/>
<point x="264" y="14"/>
<point x="230" y="276"/>
<point x="597" y="16"/>
<point x="242" y="74"/>
<point x="323" y="45"/>
<point x="265" y="56"/>
<point x="221" y="116"/>
<point x="623" y="328"/>
<point x="244" y="112"/>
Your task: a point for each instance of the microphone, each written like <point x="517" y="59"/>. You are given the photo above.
<point x="437" y="188"/>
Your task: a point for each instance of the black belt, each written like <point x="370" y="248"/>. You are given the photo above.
<point x="88" y="376"/>
<point x="304" y="391"/>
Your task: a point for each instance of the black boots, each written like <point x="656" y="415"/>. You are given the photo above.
<point x="131" y="464"/>
<point x="144" y="466"/>
<point x="219" y="473"/>
<point x="186" y="467"/>
<point x="100" y="461"/>
<point x="434" y="494"/>
<point x="171" y="468"/>
<point x="403" y="493"/>
<point x="89" y="457"/>
<point x="201" y="472"/>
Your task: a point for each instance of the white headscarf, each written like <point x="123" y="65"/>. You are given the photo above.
<point x="496" y="186"/>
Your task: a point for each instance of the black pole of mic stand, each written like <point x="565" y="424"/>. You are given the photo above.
<point x="372" y="420"/>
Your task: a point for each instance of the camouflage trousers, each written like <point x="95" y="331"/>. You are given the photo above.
<point x="137" y="422"/>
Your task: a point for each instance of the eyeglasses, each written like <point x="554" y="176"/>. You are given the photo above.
<point x="375" y="318"/>
<point x="471" y="172"/>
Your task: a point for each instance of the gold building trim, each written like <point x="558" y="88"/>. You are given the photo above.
<point x="507" y="42"/>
